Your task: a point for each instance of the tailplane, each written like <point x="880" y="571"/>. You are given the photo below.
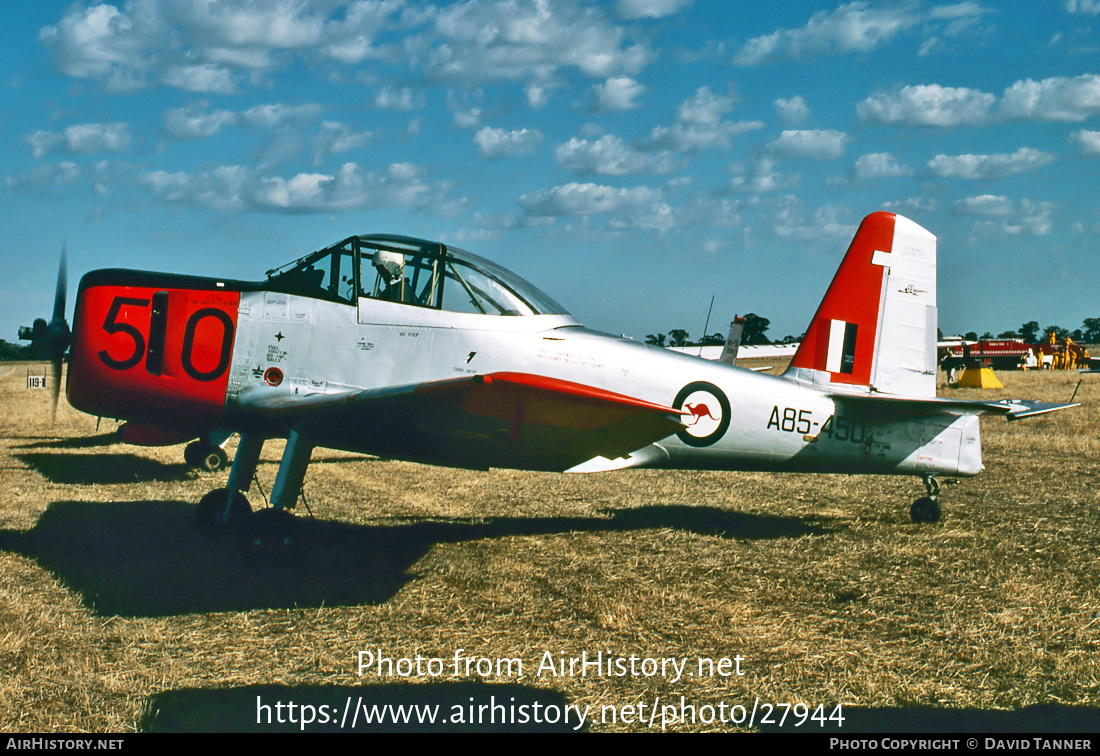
<point x="875" y="330"/>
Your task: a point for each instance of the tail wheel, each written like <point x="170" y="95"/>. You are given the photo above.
<point x="925" y="509"/>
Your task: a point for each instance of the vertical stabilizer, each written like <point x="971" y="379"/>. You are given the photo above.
<point x="875" y="330"/>
<point x="733" y="341"/>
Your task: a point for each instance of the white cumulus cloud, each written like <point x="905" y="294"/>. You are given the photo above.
<point x="498" y="143"/>
<point x="486" y="40"/>
<point x="649" y="8"/>
<point x="855" y="27"/>
<point x="610" y="156"/>
<point x="84" y="138"/>
<point x="989" y="166"/>
<point x="204" y="46"/>
<point x="617" y="93"/>
<point x="61" y="174"/>
<point x="588" y="199"/>
<point x="273" y="115"/>
<point x="928" y="105"/>
<point x="336" y="138"/>
<point x="235" y="188"/>
<point x="1088" y="142"/>
<point x="193" y="122"/>
<point x="699" y="125"/>
<point x="879" y="165"/>
<point x="1054" y="99"/>
<point x="399" y="98"/>
<point x="221" y="46"/>
<point x="792" y="109"/>
<point x="1088" y="7"/>
<point x="1001" y="216"/>
<point x="470" y="118"/>
<point x="984" y="205"/>
<point x="762" y="178"/>
<point x="202" y="77"/>
<point x="813" y="144"/>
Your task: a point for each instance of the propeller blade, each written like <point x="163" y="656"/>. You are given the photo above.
<point x="58" y="335"/>
<point x="62" y="284"/>
<point x="55" y="386"/>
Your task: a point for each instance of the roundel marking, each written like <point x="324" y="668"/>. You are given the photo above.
<point x="706" y="412"/>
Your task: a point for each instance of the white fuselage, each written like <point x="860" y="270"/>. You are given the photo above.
<point x="734" y="418"/>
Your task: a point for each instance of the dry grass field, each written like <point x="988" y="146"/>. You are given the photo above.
<point x="118" y="614"/>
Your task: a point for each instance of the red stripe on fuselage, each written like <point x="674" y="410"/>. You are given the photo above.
<point x="853" y="297"/>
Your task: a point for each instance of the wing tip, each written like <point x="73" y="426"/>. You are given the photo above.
<point x="1033" y="409"/>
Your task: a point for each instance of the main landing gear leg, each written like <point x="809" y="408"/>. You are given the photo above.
<point x="226" y="505"/>
<point x="927" y="508"/>
<point x="271" y="529"/>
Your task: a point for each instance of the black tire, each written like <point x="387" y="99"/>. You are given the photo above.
<point x="203" y="456"/>
<point x="192" y="455"/>
<point x="211" y="509"/>
<point x="925" y="509"/>
<point x="214" y="459"/>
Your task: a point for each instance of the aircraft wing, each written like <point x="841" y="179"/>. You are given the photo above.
<point x="1012" y="409"/>
<point x="496" y="420"/>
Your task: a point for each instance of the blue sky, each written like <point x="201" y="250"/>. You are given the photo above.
<point x="631" y="158"/>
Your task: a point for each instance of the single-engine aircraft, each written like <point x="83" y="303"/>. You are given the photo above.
<point x="415" y="350"/>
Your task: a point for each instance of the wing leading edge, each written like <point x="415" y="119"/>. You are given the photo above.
<point x="513" y="420"/>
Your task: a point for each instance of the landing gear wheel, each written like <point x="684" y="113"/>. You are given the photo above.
<point x="206" y="457"/>
<point x="925" y="509"/>
<point x="211" y="509"/>
<point x="269" y="533"/>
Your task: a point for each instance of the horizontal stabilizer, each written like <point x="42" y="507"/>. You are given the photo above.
<point x="1019" y="408"/>
<point x="1012" y="409"/>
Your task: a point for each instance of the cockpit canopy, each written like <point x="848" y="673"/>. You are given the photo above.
<point x="414" y="272"/>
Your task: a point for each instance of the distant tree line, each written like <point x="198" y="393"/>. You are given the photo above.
<point x="1088" y="333"/>
<point x="15" y="351"/>
<point x="754" y="332"/>
<point x="756" y="327"/>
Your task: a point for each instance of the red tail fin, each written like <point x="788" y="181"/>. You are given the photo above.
<point x="876" y="326"/>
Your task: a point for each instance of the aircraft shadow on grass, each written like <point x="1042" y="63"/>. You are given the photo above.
<point x="103" y="469"/>
<point x="238" y="709"/>
<point x="149" y="558"/>
<point x="75" y="442"/>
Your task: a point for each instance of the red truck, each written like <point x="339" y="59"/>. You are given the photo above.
<point x="1012" y="354"/>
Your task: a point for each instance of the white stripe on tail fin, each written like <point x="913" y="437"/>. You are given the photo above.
<point x="875" y="330"/>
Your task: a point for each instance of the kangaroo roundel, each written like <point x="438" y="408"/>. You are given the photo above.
<point x="706" y="413"/>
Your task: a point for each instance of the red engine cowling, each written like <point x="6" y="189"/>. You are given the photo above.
<point x="152" y="348"/>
